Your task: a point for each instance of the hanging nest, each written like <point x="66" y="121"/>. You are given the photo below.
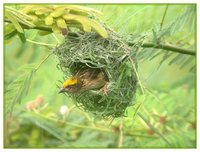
<point x="111" y="55"/>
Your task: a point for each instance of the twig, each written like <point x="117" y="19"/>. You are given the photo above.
<point x="41" y="43"/>
<point x="121" y="136"/>
<point x="152" y="94"/>
<point x="138" y="78"/>
<point x="75" y="125"/>
<point x="163" y="18"/>
<point x="37" y="67"/>
<point x="140" y="135"/>
<point x="56" y="38"/>
<point x="152" y="127"/>
<point x="167" y="47"/>
<point x="122" y="132"/>
<point x="141" y="86"/>
<point x="170" y="48"/>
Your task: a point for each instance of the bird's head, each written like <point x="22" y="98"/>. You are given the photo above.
<point x="70" y="85"/>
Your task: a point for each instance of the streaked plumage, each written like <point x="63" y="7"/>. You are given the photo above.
<point x="84" y="80"/>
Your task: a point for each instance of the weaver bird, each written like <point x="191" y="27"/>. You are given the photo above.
<point x="84" y="80"/>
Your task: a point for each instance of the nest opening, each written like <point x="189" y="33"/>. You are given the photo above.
<point x="89" y="50"/>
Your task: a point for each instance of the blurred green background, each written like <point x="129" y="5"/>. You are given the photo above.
<point x="169" y="107"/>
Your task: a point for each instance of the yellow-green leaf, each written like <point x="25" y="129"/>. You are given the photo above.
<point x="87" y="24"/>
<point x="55" y="28"/>
<point x="14" y="22"/>
<point x="42" y="10"/>
<point x="8" y="28"/>
<point x="18" y="13"/>
<point x="49" y="20"/>
<point x="83" y="9"/>
<point x="28" y="9"/>
<point x="20" y="17"/>
<point x="99" y="29"/>
<point x="80" y="19"/>
<point x="59" y="11"/>
<point x="35" y="18"/>
<point x="23" y="21"/>
<point x="61" y="23"/>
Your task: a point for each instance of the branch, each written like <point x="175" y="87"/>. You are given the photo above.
<point x="145" y="45"/>
<point x="36" y="68"/>
<point x="121" y="136"/>
<point x="152" y="127"/>
<point x="167" y="47"/>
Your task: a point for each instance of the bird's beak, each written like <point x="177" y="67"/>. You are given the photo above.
<point x="62" y="90"/>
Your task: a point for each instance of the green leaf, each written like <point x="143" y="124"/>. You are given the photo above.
<point x="48" y="126"/>
<point x="32" y="35"/>
<point x="16" y="90"/>
<point x="8" y="28"/>
<point x="187" y="61"/>
<point x="156" y="55"/>
<point x="178" y="58"/>
<point x="165" y="56"/>
<point x="193" y="69"/>
<point x="155" y="39"/>
<point x="22" y="37"/>
<point x="10" y="35"/>
<point x="42" y="33"/>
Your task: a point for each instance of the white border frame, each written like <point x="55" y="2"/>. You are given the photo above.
<point x="92" y="1"/>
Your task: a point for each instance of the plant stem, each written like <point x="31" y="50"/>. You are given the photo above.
<point x="140" y="135"/>
<point x="148" y="45"/>
<point x="171" y="48"/>
<point x="139" y="81"/>
<point x="37" y="67"/>
<point x="121" y="136"/>
<point x="163" y="18"/>
<point x="152" y="127"/>
<point x="141" y="87"/>
<point x="75" y="125"/>
<point x="122" y="132"/>
<point x="145" y="45"/>
<point x="167" y="48"/>
<point x="41" y="43"/>
<point x="56" y="38"/>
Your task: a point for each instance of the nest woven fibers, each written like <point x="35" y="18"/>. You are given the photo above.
<point x="111" y="55"/>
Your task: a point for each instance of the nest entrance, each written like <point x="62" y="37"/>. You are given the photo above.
<point x="88" y="50"/>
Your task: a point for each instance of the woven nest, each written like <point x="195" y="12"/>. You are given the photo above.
<point x="111" y="55"/>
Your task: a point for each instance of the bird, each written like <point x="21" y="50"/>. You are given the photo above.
<point x="86" y="79"/>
